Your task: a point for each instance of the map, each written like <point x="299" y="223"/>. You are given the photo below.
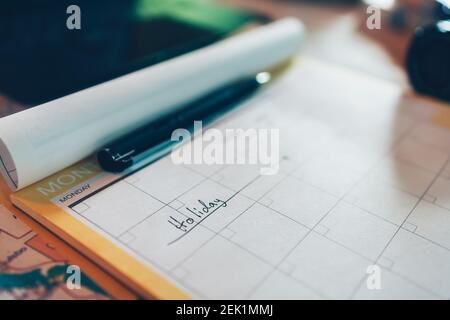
<point x="30" y="268"/>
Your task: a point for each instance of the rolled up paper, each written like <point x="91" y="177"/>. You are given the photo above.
<point x="41" y="141"/>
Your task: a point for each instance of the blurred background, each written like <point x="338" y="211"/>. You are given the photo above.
<point x="338" y="31"/>
<point x="41" y="60"/>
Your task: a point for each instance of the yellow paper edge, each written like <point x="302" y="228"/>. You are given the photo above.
<point x="104" y="280"/>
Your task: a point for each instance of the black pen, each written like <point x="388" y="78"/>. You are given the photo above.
<point x="152" y="141"/>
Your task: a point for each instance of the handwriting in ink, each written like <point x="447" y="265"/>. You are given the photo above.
<point x="206" y="208"/>
<point x="181" y="225"/>
<point x="199" y="212"/>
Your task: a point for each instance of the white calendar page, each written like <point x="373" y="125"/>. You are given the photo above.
<point x="360" y="207"/>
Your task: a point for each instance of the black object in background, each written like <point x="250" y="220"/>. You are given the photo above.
<point x="428" y="57"/>
<point x="441" y="10"/>
<point x="41" y="59"/>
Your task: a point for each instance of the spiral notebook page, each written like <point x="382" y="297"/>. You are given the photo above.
<point x="362" y="190"/>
